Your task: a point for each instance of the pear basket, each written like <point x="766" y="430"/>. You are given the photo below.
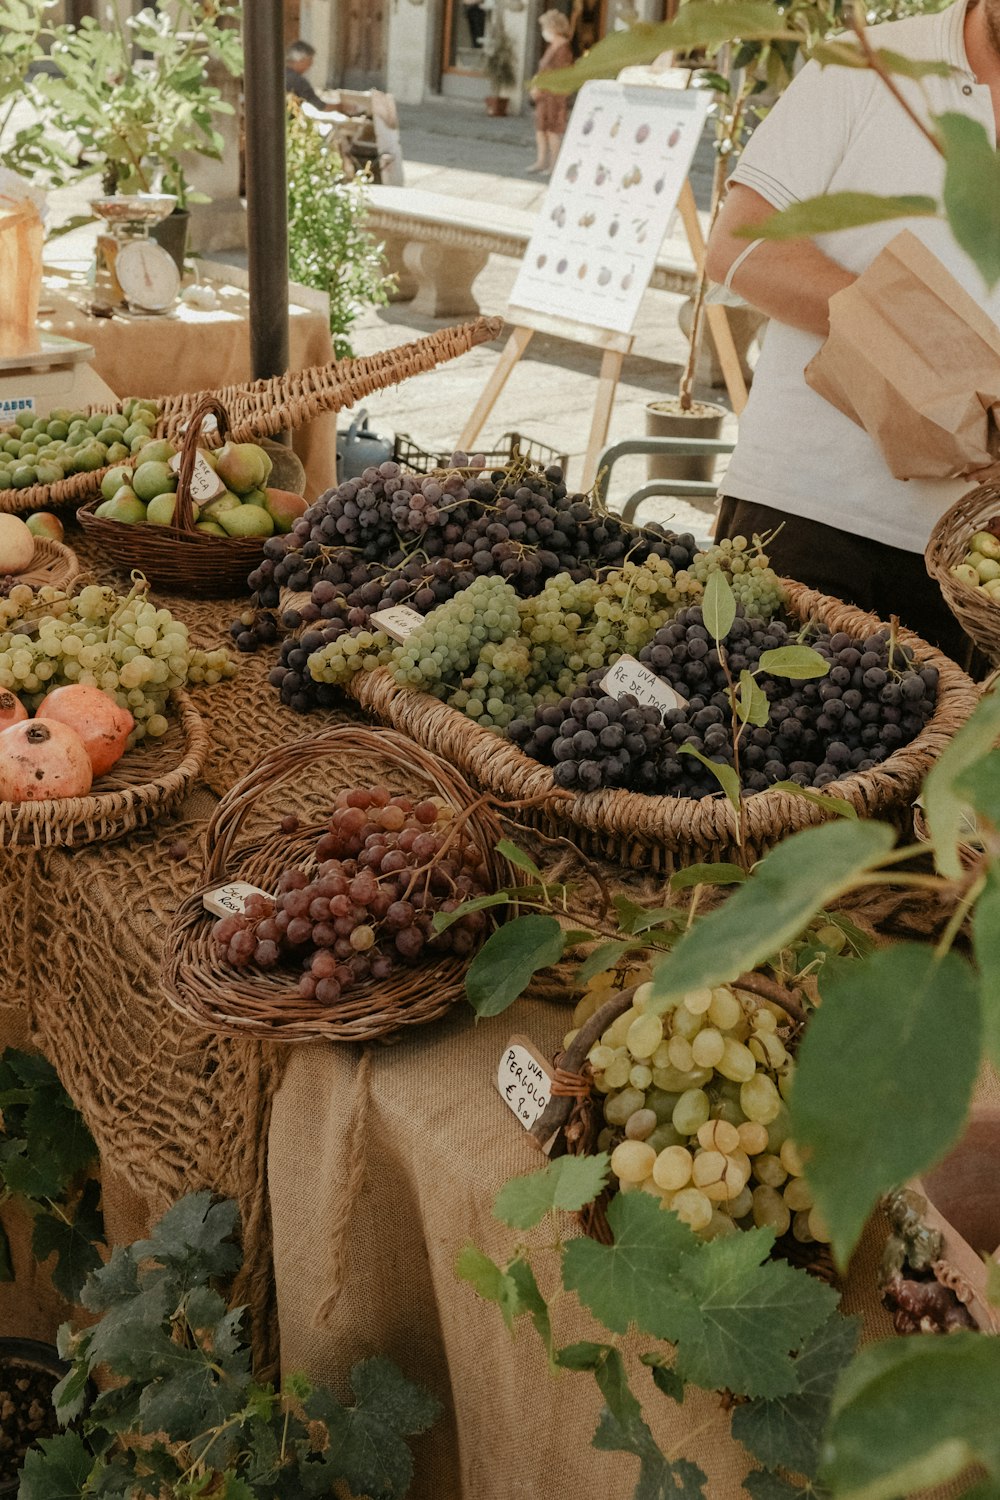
<point x="148" y="781"/>
<point x="975" y="611"/>
<point x="243" y="842"/>
<point x="663" y="834"/>
<point x="264" y="408"/>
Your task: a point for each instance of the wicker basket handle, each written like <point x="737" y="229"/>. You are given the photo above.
<point x="228" y="819"/>
<point x="208" y="406"/>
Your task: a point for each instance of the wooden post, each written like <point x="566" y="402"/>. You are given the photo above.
<point x="512" y="351"/>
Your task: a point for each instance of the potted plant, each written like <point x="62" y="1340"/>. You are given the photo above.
<point x="500" y="63"/>
<point x="136" y="97"/>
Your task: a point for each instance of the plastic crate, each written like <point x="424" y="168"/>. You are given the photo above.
<point x="507" y="448"/>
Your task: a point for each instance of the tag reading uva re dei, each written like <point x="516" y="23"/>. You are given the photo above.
<point x="630" y="676"/>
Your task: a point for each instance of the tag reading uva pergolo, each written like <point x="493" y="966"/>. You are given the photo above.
<point x="230" y="900"/>
<point x="630" y="676"/>
<point x="398" y="621"/>
<point x="205" y="483"/>
<point x="524" y="1080"/>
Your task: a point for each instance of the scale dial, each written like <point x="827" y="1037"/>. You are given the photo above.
<point x="147" y="275"/>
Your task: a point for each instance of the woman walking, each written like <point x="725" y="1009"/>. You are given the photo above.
<point x="551" y="110"/>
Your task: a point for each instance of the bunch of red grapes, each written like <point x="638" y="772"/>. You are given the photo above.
<point x="383" y="869"/>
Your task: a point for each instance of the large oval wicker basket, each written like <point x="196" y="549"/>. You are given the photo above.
<point x="243" y="843"/>
<point x="146" y="783"/>
<point x="666" y="833"/>
<point x="263" y="408"/>
<point x="975" y="611"/>
<point x="177" y="556"/>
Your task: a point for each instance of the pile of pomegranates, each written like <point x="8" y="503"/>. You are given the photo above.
<point x="77" y="734"/>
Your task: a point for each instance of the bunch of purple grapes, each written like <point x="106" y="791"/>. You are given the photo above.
<point x="383" y="869"/>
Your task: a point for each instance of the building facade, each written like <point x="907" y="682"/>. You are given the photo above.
<point x="432" y="49"/>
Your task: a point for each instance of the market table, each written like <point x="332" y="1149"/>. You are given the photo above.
<point x="193" y="349"/>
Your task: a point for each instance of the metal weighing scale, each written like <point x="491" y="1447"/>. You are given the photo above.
<point x="131" y="267"/>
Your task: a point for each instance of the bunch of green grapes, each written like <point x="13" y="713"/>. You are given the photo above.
<point x="127" y="647"/>
<point x="754" y="582"/>
<point x="450" y="640"/>
<point x="495" y="692"/>
<point x="695" y="1112"/>
<point x="356" y="650"/>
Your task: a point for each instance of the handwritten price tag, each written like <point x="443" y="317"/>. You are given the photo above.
<point x="230" y="900"/>
<point x="398" y="621"/>
<point x="630" y="676"/>
<point x="524" y="1080"/>
<point x="205" y="483"/>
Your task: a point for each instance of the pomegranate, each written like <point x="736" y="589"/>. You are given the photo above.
<point x="12" y="710"/>
<point x="95" y="717"/>
<point x="38" y="761"/>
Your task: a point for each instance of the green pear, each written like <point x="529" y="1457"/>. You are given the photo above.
<point x="247" y="520"/>
<point x="44" y="524"/>
<point x="124" y="507"/>
<point x="255" y="497"/>
<point x="242" y="466"/>
<point x="152" y="479"/>
<point x="158" y="451"/>
<point x="284" y="508"/>
<point x="160" y="510"/>
<point x="215" y="508"/>
<point x="114" y="479"/>
<point x="210" y="528"/>
<point x="210" y="456"/>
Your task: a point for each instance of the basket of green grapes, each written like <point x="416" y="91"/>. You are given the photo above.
<point x="97" y="733"/>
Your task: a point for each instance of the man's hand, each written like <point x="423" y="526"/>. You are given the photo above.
<point x="791" y="281"/>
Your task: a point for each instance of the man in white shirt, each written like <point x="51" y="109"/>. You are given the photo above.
<point x="848" y="527"/>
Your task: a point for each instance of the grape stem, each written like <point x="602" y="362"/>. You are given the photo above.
<point x="555" y="1114"/>
<point x="777" y="994"/>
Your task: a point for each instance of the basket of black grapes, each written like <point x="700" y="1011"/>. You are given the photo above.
<point x="333" y="870"/>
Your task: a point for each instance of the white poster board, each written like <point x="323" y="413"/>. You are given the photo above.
<point x="612" y="194"/>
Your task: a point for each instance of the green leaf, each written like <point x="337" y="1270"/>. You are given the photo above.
<point x="788" y="887"/>
<point x="795" y="662"/>
<point x="568" y="1183"/>
<point x="509" y="959"/>
<point x="723" y="773"/>
<point x="74" y="1243"/>
<point x="57" y="1469"/>
<point x="604" y="957"/>
<point x="980" y="784"/>
<point x="720" y="874"/>
<point x="761" y="1485"/>
<point x="665" y="1377"/>
<point x="913" y="1413"/>
<point x="70" y="1395"/>
<point x="515" y="856"/>
<point x="483" y="1274"/>
<point x="658" y="1478"/>
<point x="971" y="194"/>
<point x="884" y="1078"/>
<point x="626" y="1282"/>
<point x="847" y="54"/>
<point x="838" y="806"/>
<point x="986" y="947"/>
<point x="786" y="1432"/>
<point x="195" y="1236"/>
<point x="752" y="705"/>
<point x="945" y="807"/>
<point x="366" y="1440"/>
<point x="528" y="1299"/>
<point x="718" y="606"/>
<point x="832" y="211"/>
<point x="582" y="1356"/>
<point x="737" y="1316"/>
<point x="442" y="920"/>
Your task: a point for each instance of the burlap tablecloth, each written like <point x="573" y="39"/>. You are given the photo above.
<point x="193" y="350"/>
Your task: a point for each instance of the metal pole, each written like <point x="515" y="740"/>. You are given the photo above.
<point x="267" y="201"/>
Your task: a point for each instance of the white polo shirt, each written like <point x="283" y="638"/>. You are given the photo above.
<point x="838" y="129"/>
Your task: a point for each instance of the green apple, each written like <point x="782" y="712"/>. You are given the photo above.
<point x="114" y="479"/>
<point x="247" y="520"/>
<point x="215" y="508"/>
<point x="124" y="507"/>
<point x="160" y="510"/>
<point x="284" y="508"/>
<point x="210" y="528"/>
<point x="152" y="479"/>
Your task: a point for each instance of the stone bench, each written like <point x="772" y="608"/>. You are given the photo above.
<point x="437" y="245"/>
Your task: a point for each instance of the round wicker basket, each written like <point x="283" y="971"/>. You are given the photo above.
<point x="265" y="1004"/>
<point x="666" y="833"/>
<point x="263" y="408"/>
<point x="177" y="556"/>
<point x="54" y="565"/>
<point x="975" y="611"/>
<point x="147" y="782"/>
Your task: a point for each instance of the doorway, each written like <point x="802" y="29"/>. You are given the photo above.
<point x="362" y="48"/>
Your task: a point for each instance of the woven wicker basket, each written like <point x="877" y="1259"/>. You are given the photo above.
<point x="265" y="1004"/>
<point x="54" y="565"/>
<point x="975" y="611"/>
<point x="147" y="782"/>
<point x="177" y="556"/>
<point x="264" y="408"/>
<point x="666" y="833"/>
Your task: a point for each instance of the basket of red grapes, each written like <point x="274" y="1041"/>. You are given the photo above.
<point x="334" y="872"/>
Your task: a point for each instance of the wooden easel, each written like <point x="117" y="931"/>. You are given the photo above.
<point x="614" y="348"/>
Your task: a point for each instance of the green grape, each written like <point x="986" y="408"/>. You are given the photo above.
<point x="691" y="1111"/>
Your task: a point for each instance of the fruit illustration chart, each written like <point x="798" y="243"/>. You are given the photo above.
<point x="611" y="197"/>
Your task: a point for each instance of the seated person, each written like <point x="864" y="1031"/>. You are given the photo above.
<point x="298" y="61"/>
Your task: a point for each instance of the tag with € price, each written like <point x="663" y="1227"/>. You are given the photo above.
<point x="524" y="1080"/>
<point x="398" y="621"/>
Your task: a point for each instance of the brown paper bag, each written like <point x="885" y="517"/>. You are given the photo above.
<point x="915" y="361"/>
<point x="21" y="236"/>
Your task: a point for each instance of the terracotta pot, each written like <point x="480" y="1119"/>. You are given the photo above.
<point x="496" y="105"/>
<point x="665" y="419"/>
